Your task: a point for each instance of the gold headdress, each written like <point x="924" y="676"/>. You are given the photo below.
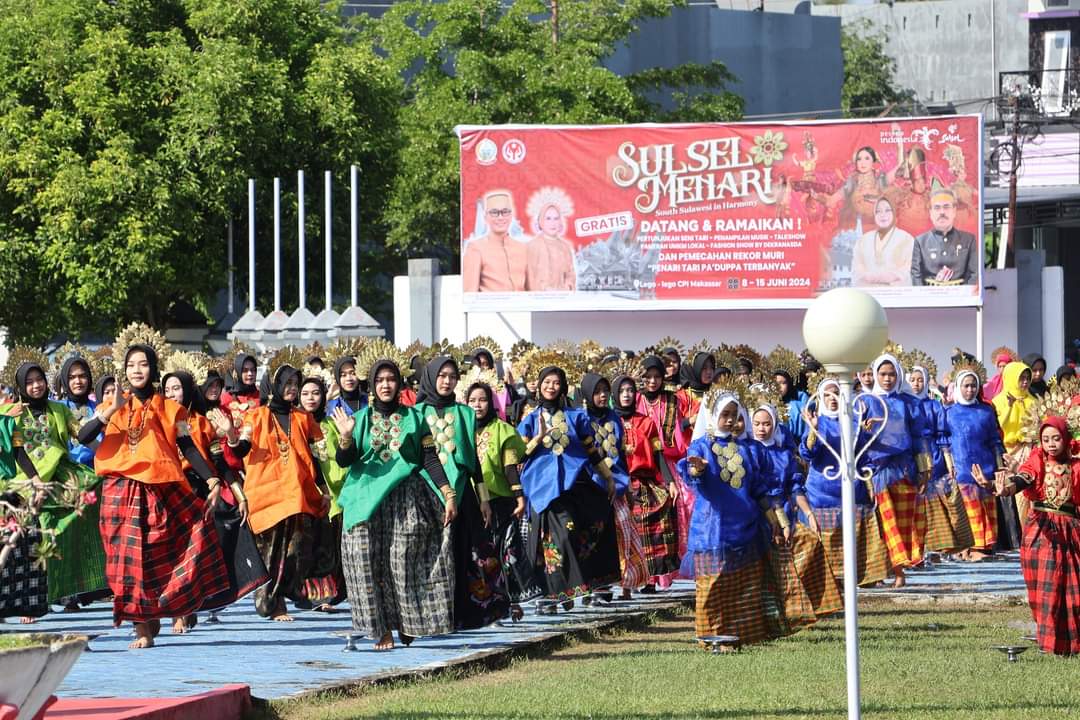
<point x="892" y="348"/>
<point x="540" y="358"/>
<point x="345" y="347"/>
<point x="519" y="349"/>
<point x="135" y="334"/>
<point x="667" y="342"/>
<point x="287" y="355"/>
<point x="381" y="349"/>
<point x="488" y="376"/>
<point x="21" y="354"/>
<point x="629" y="366"/>
<point x="1057" y="401"/>
<point x="438" y="349"/>
<point x="814" y="380"/>
<point x="481" y="342"/>
<point x="70" y="350"/>
<point x="195" y="364"/>
<point x="768" y="392"/>
<point x="782" y="358"/>
<point x="327" y="378"/>
<point x="315" y="349"/>
<point x="914" y="357"/>
<point x="101" y="362"/>
<point x="749" y="354"/>
<point x="591" y="351"/>
<point x="563" y="346"/>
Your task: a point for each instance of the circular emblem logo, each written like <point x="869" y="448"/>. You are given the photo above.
<point x="513" y="151"/>
<point x="486" y="151"/>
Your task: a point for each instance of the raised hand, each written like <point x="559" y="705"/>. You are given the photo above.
<point x="222" y="423"/>
<point x="979" y="477"/>
<point x="344" y="422"/>
<point x="698" y="464"/>
<point x="15" y="410"/>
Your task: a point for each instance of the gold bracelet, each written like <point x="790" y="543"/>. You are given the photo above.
<point x="345" y="442"/>
<point x="238" y="492"/>
<point x="212" y="483"/>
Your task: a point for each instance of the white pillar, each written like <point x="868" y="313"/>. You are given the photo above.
<point x="232" y="272"/>
<point x="300" y="240"/>
<point x="354" y="229"/>
<point x="251" y="244"/>
<point x="851" y="582"/>
<point x="277" y="244"/>
<point x="329" y="222"/>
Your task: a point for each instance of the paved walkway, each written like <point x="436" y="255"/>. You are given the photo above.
<point x="279" y="659"/>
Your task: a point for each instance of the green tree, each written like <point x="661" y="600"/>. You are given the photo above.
<point x="127" y="132"/>
<point x="869" y="74"/>
<point x="486" y="62"/>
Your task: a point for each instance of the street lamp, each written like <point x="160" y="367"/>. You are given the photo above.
<point x="845" y="329"/>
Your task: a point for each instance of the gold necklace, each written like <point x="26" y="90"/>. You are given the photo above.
<point x="134" y="434"/>
<point x="282" y="444"/>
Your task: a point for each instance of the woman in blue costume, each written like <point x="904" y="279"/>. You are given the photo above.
<point x="572" y="535"/>
<point x="976" y="443"/>
<point x="818" y="498"/>
<point x="795" y="400"/>
<point x="899" y="460"/>
<point x="608" y="437"/>
<point x="481" y="595"/>
<point x="728" y="547"/>
<point x="945" y="523"/>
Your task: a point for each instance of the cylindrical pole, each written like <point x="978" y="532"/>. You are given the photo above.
<point x="277" y="244"/>
<point x="851" y="581"/>
<point x="300" y="237"/>
<point x="329" y="222"/>
<point x="354" y="230"/>
<point x="251" y="244"/>
<point x="232" y="272"/>
<point x="978" y="334"/>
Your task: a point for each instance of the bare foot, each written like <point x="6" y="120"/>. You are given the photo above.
<point x="27" y="620"/>
<point x="180" y="626"/>
<point x="144" y="635"/>
<point x="386" y="642"/>
<point x="977" y="556"/>
<point x="625" y="594"/>
<point x="901" y="579"/>
<point x="282" y="617"/>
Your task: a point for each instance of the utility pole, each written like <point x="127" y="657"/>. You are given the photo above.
<point x="554" y="22"/>
<point x="1014" y="170"/>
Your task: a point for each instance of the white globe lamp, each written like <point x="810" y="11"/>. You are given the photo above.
<point x="845" y="329"/>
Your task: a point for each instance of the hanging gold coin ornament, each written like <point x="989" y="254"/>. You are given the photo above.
<point x="283" y="451"/>
<point x="385" y="435"/>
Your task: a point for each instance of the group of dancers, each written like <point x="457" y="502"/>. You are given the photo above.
<point x="442" y="488"/>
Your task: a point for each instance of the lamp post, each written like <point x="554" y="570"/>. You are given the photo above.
<point x="844" y="329"/>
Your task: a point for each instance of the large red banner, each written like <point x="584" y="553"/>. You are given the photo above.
<point x="750" y="215"/>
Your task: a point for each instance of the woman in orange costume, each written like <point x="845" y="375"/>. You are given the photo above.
<point x="281" y="446"/>
<point x="162" y="557"/>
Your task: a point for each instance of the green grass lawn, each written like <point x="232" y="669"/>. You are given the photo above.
<point x="927" y="661"/>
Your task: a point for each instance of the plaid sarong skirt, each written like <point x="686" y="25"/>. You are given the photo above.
<point x="1050" y="558"/>
<point x="162" y="558"/>
<point x="399" y="565"/>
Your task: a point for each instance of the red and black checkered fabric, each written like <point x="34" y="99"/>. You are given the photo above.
<point x="1050" y="558"/>
<point x="162" y="559"/>
<point x="897" y="507"/>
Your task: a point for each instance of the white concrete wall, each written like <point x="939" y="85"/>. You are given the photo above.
<point x="934" y="330"/>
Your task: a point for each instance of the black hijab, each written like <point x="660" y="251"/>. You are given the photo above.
<point x="213" y="376"/>
<point x="559" y="402"/>
<point x="65" y="370"/>
<point x="146" y="391"/>
<point x="624" y="411"/>
<point x="428" y="392"/>
<point x="193" y="400"/>
<point x="384" y="408"/>
<point x="672" y="353"/>
<point x="491" y="414"/>
<point x="417" y="364"/>
<point x="352" y="397"/>
<point x="743" y="366"/>
<point x="239" y="388"/>
<point x="693" y="374"/>
<point x="589" y="384"/>
<point x="99" y="386"/>
<point x="278" y="404"/>
<point x="652" y="362"/>
<point x="792" y="393"/>
<point x="1037" y="388"/>
<point x="320" y="412"/>
<point x="484" y="351"/>
<point x="1065" y="372"/>
<point x="21" y="375"/>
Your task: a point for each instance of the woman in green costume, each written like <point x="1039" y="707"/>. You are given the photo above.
<point x="397" y="542"/>
<point x="22" y="581"/>
<point x="501" y="450"/>
<point x="481" y="596"/>
<point x="46" y="428"/>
